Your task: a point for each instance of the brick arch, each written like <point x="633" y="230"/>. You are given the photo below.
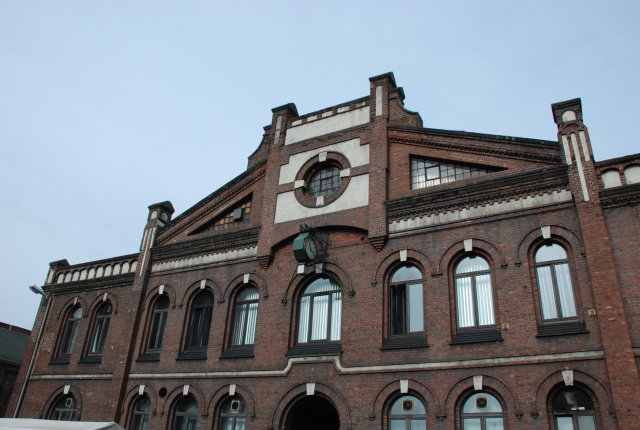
<point x="81" y="302"/>
<point x="100" y="299"/>
<point x="154" y="292"/>
<point x="299" y="391"/>
<point x="132" y="395"/>
<point x="422" y="260"/>
<point x="602" y="397"/>
<point x="423" y="392"/>
<point x="329" y="268"/>
<point x="210" y="285"/>
<point x="478" y="245"/>
<point x="56" y="395"/>
<point x="564" y="234"/>
<point x="176" y="393"/>
<point x="223" y="393"/>
<point x="465" y="386"/>
<point x="258" y="281"/>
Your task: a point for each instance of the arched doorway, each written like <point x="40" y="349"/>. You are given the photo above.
<point x="312" y="413"/>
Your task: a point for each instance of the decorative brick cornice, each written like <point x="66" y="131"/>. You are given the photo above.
<point x="212" y="202"/>
<point x="207" y="245"/>
<point x="548" y="152"/>
<point x="378" y="242"/>
<point x="450" y="198"/>
<point x="116" y="281"/>
<point x="628" y="195"/>
<point x="264" y="260"/>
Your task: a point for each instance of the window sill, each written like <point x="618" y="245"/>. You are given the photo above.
<point x="562" y="329"/>
<point x="405" y="342"/>
<point x="239" y="351"/>
<point x="476" y="336"/>
<point x="192" y="355"/>
<point x="320" y="348"/>
<point x="149" y="356"/>
<point x="60" y="360"/>
<point x="91" y="359"/>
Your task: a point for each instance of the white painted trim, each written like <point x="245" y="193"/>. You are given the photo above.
<point x="378" y="100"/>
<point x="567" y="377"/>
<point x="403" y="255"/>
<point x="585" y="149"/>
<point x="78" y="376"/>
<point x="66" y="389"/>
<point x="141" y="389"/>
<point x="546" y="231"/>
<point x="477" y="382"/>
<point x="583" y="182"/>
<point x="404" y="386"/>
<point x="311" y="388"/>
<point x="468" y="245"/>
<point x="232" y="389"/>
<point x="204" y="259"/>
<point x="567" y="153"/>
<point x="185" y="389"/>
<point x="245" y="278"/>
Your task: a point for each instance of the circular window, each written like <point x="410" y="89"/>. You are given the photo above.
<point x="322" y="179"/>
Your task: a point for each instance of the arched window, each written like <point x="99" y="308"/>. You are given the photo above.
<point x="100" y="328"/>
<point x="69" y="332"/>
<point x="199" y="321"/>
<point x="573" y="410"/>
<point x="407" y="413"/>
<point x="158" y="322"/>
<point x="65" y="409"/>
<point x="554" y="282"/>
<point x="140" y="414"/>
<point x="474" y="295"/>
<point x="482" y="411"/>
<point x="232" y="414"/>
<point x="324" y="181"/>
<point x="405" y="301"/>
<point x="320" y="311"/>
<point x="185" y="414"/>
<point x="244" y="317"/>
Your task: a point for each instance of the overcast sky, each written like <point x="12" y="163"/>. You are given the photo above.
<point x="109" y="106"/>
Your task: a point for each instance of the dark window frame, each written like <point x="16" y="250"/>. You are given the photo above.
<point x="482" y="415"/>
<point x="474" y="279"/>
<point x="69" y="332"/>
<point x="226" y="413"/>
<point x="99" y="328"/>
<point x="60" y="411"/>
<point x="199" y="320"/>
<point x="407" y="418"/>
<point x="330" y="312"/>
<point x="405" y="314"/>
<point x="157" y="323"/>
<point x="139" y="419"/>
<point x="244" y="306"/>
<point x="554" y="414"/>
<point x="190" y="416"/>
<point x="552" y="264"/>
<point x="447" y="172"/>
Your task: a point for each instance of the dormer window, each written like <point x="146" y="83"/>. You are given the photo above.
<point x="426" y="172"/>
<point x="236" y="215"/>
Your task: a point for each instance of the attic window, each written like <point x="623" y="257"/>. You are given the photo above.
<point x="236" y="215"/>
<point x="427" y="172"/>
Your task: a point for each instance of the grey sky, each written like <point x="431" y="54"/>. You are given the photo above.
<point x="109" y="106"/>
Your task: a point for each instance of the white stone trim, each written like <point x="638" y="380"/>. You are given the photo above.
<point x="404" y="386"/>
<point x="477" y="382"/>
<point x="583" y="182"/>
<point x="205" y="259"/>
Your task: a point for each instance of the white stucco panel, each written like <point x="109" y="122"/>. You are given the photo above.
<point x="358" y="155"/>
<point x="356" y="195"/>
<point x="327" y="125"/>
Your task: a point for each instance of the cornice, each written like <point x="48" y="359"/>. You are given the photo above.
<point x="420" y="137"/>
<point x="207" y="245"/>
<point x="223" y="195"/>
<point x="628" y="195"/>
<point x="451" y="197"/>
<point x="124" y="280"/>
<point x="619" y="160"/>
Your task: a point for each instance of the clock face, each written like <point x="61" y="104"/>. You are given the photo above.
<point x="310" y="248"/>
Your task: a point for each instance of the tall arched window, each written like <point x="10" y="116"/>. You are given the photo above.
<point x="482" y="411"/>
<point x="405" y="301"/>
<point x="69" y="332"/>
<point x="245" y="313"/>
<point x="474" y="295"/>
<point x="65" y="409"/>
<point x="557" y="300"/>
<point x="320" y="311"/>
<point x="573" y="410"/>
<point x="185" y="414"/>
<point x="140" y="413"/>
<point x="407" y="413"/>
<point x="158" y="322"/>
<point x="232" y="414"/>
<point x="100" y="329"/>
<point x="199" y="321"/>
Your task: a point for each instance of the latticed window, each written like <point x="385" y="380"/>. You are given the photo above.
<point x="426" y="172"/>
<point x="325" y="181"/>
<point x="238" y="214"/>
<point x="474" y="296"/>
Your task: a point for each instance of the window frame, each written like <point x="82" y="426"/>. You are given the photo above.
<point x="473" y="278"/>
<point x="138" y="413"/>
<point x="99" y="329"/>
<point x="198" y="326"/>
<point x="245" y="304"/>
<point x="481" y="415"/>
<point x="407" y="418"/>
<point x="392" y="310"/>
<point x="68" y="334"/>
<point x="189" y="424"/>
<point x="554" y="282"/>
<point x="554" y="415"/>
<point x="309" y="170"/>
<point x="55" y="409"/>
<point x="474" y="171"/>
<point x="222" y="414"/>
<point x="156" y="331"/>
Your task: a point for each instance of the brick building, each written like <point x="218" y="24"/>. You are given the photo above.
<point x="365" y="272"/>
<point x="13" y="342"/>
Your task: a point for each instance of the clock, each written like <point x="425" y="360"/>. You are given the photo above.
<point x="305" y="247"/>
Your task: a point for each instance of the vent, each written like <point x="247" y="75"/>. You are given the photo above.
<point x="238" y="214"/>
<point x="68" y="402"/>
<point x="481" y="402"/>
<point x="407" y="405"/>
<point x="235" y="405"/>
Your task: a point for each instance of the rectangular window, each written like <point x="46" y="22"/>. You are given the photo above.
<point x="426" y="172"/>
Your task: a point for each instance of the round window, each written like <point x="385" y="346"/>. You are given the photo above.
<point x="325" y="181"/>
<point x="322" y="179"/>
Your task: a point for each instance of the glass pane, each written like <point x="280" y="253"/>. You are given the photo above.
<point x="407" y="405"/>
<point x="406" y="273"/>
<point x="418" y="424"/>
<point x="320" y="317"/>
<point x="303" y="326"/>
<point x="471" y="424"/>
<point x="397" y="425"/>
<point x="464" y="298"/>
<point x="416" y="319"/>
<point x="251" y="323"/>
<point x="471" y="406"/>
<point x="485" y="300"/>
<point x="493" y="424"/>
<point x="321" y="285"/>
<point x="238" y="324"/>
<point x="227" y="423"/>
<point x="586" y="422"/>
<point x="550" y="252"/>
<point x="570" y="400"/>
<point x="336" y="315"/>
<point x="162" y="303"/>
<point x="472" y="263"/>
<point x="547" y="297"/>
<point x="248" y="294"/>
<point x="564" y="423"/>
<point x="565" y="290"/>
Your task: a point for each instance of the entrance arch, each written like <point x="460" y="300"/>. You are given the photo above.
<point x="312" y="413"/>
